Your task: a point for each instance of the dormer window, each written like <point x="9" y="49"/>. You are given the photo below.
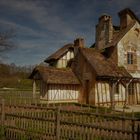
<point x="130" y="58"/>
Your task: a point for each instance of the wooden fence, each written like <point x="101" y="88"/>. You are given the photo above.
<point x="21" y="122"/>
<point x="15" y="96"/>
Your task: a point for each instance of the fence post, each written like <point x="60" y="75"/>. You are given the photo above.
<point x="123" y="120"/>
<point x="133" y="126"/>
<point x="3" y="112"/>
<point x="2" y="133"/>
<point x="133" y="129"/>
<point x="138" y="132"/>
<point x="58" y="124"/>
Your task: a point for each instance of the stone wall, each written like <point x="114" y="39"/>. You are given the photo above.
<point x="130" y="43"/>
<point x="104" y="31"/>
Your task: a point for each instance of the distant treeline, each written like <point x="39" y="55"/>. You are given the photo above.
<point x="13" y="76"/>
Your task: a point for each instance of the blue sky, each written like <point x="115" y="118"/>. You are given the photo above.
<point x="43" y="26"/>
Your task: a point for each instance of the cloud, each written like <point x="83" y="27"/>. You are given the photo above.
<point x="20" y="29"/>
<point x="121" y="4"/>
<point x="43" y="26"/>
<point x="40" y="14"/>
<point x="58" y="18"/>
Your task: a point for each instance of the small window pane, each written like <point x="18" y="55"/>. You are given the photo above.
<point x="130" y="58"/>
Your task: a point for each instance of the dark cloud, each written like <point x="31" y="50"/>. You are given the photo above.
<point x="46" y="25"/>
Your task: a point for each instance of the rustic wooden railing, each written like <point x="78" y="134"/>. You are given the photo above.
<point x="22" y="122"/>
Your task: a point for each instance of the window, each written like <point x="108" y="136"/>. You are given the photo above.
<point x="131" y="89"/>
<point x="130" y="58"/>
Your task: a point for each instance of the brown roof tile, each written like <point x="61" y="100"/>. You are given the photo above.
<point x="103" y="66"/>
<point x="53" y="75"/>
<point x="59" y="53"/>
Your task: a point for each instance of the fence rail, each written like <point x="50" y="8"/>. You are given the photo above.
<point x="20" y="122"/>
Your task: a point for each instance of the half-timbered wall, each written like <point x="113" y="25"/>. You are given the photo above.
<point x="103" y="94"/>
<point x="63" y="61"/>
<point x="134" y="94"/>
<point x="60" y="93"/>
<point x="63" y="92"/>
<point x="137" y="91"/>
<point x="120" y="96"/>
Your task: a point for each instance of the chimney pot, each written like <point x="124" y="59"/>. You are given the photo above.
<point x="126" y="18"/>
<point x="79" y="42"/>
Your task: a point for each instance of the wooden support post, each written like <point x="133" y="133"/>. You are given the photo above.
<point x="86" y="77"/>
<point x="136" y="93"/>
<point x="112" y="96"/>
<point x="138" y="132"/>
<point x="98" y="95"/>
<point x="58" y="124"/>
<point x="112" y="92"/>
<point x="133" y="125"/>
<point x="126" y="95"/>
<point x="34" y="89"/>
<point x="106" y="95"/>
<point x="87" y="91"/>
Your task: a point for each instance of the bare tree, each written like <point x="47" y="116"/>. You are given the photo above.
<point x="6" y="40"/>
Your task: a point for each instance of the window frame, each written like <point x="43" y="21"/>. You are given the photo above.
<point x="130" y="58"/>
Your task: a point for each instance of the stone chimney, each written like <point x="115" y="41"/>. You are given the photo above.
<point x="79" y="42"/>
<point x="104" y="31"/>
<point x="126" y="18"/>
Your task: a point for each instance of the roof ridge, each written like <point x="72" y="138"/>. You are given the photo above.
<point x="59" y="52"/>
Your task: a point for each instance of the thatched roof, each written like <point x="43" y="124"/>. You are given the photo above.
<point x="103" y="66"/>
<point x="60" y="52"/>
<point x="53" y="75"/>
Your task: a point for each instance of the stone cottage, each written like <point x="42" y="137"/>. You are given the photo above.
<point x="108" y="73"/>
